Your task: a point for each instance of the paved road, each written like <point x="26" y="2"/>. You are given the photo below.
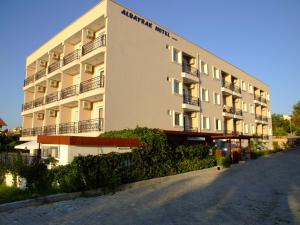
<point x="264" y="191"/>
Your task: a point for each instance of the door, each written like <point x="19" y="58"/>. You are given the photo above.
<point x="186" y="122"/>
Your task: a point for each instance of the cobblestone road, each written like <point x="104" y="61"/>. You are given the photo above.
<point x="264" y="191"/>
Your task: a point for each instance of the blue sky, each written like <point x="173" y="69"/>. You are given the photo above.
<point x="261" y="37"/>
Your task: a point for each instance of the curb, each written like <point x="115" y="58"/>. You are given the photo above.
<point x="48" y="199"/>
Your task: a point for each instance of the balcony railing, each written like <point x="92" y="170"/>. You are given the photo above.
<point x="27" y="105"/>
<point x="265" y="119"/>
<point x="260" y="99"/>
<point x="90" y="125"/>
<point x="188" y="99"/>
<point x="91" y="46"/>
<point x="29" y="80"/>
<point x="67" y="128"/>
<point x="69" y="92"/>
<point x="231" y="110"/>
<point x="231" y="86"/>
<point x="40" y="74"/>
<point x="190" y="70"/>
<point x="92" y="84"/>
<point x="38" y="102"/>
<point x="71" y="57"/>
<point x="258" y="117"/>
<point x="54" y="66"/>
<point x="265" y="136"/>
<point x="237" y="89"/>
<point x="27" y="132"/>
<point x="53" y="97"/>
<point x="232" y="132"/>
<point x="190" y="129"/>
<point x="49" y="130"/>
<point x="227" y="85"/>
<point x="37" y="131"/>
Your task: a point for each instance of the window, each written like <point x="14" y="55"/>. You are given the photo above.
<point x="245" y="108"/>
<point x="204" y="95"/>
<point x="216" y="73"/>
<point x="250" y="88"/>
<point x="246" y="128"/>
<point x="177" y="119"/>
<point x="204" y="67"/>
<point x="251" y="108"/>
<point x="244" y="85"/>
<point x="50" y="151"/>
<point x="176" y="55"/>
<point x="217" y="98"/>
<point x="253" y="128"/>
<point x="176" y="87"/>
<point x="205" y="123"/>
<point x="218" y="125"/>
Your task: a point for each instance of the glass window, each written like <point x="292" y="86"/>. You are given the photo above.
<point x="216" y="73"/>
<point x="175" y="55"/>
<point x="204" y="95"/>
<point x="218" y="125"/>
<point x="177" y="119"/>
<point x="205" y="122"/>
<point x="217" y="99"/>
<point x="176" y="86"/>
<point x="204" y="67"/>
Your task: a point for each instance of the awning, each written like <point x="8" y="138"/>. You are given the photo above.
<point x="28" y="145"/>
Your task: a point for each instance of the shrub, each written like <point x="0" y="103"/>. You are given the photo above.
<point x="195" y="164"/>
<point x="276" y="146"/>
<point x="223" y="161"/>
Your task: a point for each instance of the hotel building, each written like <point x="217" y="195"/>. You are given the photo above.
<point x="113" y="69"/>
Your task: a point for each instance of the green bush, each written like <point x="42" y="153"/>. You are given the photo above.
<point x="195" y="164"/>
<point x="223" y="161"/>
<point x="259" y="153"/>
<point x="276" y="145"/>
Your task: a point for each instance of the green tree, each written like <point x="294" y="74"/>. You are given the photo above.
<point x="280" y="126"/>
<point x="296" y="118"/>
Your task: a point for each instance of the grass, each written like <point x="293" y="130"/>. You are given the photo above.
<point x="260" y="153"/>
<point x="11" y="194"/>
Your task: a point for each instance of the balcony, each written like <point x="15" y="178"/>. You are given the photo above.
<point x="54" y="66"/>
<point x="92" y="45"/>
<point x="236" y="113"/>
<point x="71" y="57"/>
<point x="68" y="128"/>
<point x="37" y="131"/>
<point x="190" y="129"/>
<point x="38" y="102"/>
<point x="265" y="137"/>
<point x="188" y="99"/>
<point x="49" y="130"/>
<point x="91" y="84"/>
<point x="265" y="119"/>
<point x="232" y="87"/>
<point x="27" y="105"/>
<point x="232" y="132"/>
<point x="258" y="117"/>
<point x="40" y="74"/>
<point x="190" y="70"/>
<point x="53" y="97"/>
<point x="69" y="92"/>
<point x="83" y="126"/>
<point x="260" y="99"/>
<point x="90" y="125"/>
<point x="29" y="80"/>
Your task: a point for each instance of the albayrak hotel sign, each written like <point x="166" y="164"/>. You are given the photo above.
<point x="145" y="22"/>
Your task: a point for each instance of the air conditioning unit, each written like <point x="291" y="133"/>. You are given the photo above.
<point x="88" y="68"/>
<point x="52" y="113"/>
<point x="54" y="56"/>
<point x="43" y="63"/>
<point x="53" y="83"/>
<point x="41" y="89"/>
<point x="89" y="34"/>
<point x="40" y="116"/>
<point x="194" y="115"/>
<point x="87" y="105"/>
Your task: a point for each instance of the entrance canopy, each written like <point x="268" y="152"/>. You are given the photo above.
<point x="28" y="145"/>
